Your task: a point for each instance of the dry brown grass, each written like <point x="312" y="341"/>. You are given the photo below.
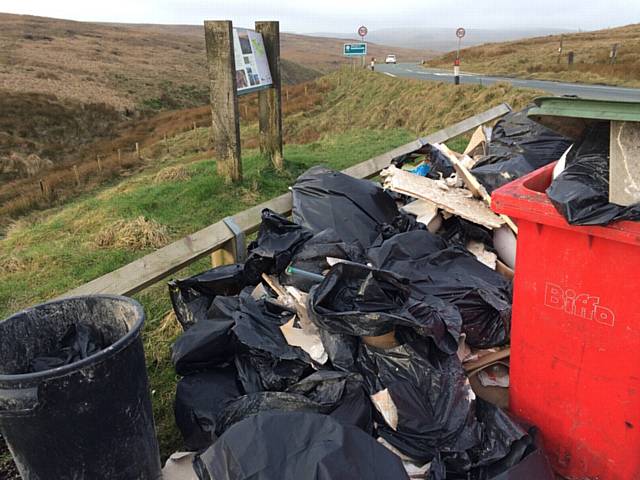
<point x="387" y="103"/>
<point x="11" y="264"/>
<point x="538" y="57"/>
<point x="126" y="66"/>
<point x="176" y="173"/>
<point x="23" y="166"/>
<point x="137" y="234"/>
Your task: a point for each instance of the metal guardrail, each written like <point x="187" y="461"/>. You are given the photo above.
<point x="157" y="265"/>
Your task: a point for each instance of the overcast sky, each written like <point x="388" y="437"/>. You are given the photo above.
<point x="307" y="16"/>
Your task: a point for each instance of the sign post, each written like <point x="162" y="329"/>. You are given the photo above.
<point x="270" y="100"/>
<point x="363" y="31"/>
<point x="460" y="33"/>
<point x="242" y="61"/>
<point x="225" y="121"/>
<point x="355" y="50"/>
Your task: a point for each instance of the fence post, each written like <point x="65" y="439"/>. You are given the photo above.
<point x="77" y="174"/>
<point x="270" y="100"/>
<point x="137" y="151"/>
<point x="99" y="164"/>
<point x="225" y="120"/>
<point x="119" y="155"/>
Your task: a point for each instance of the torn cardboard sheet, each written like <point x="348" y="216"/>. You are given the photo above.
<point x="306" y="339"/>
<point x="179" y="466"/>
<point x="478" y="143"/>
<point x="482" y="254"/>
<point x="504" y="270"/>
<point x="483" y="358"/>
<point x="300" y="331"/>
<point x="456" y="201"/>
<point x="496" y="375"/>
<point x="387" y="408"/>
<point x="414" y="470"/>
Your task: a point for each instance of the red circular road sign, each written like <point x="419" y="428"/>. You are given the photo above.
<point x="362" y="31"/>
<point x="460" y="32"/>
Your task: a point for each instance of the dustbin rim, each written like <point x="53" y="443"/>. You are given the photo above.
<point x="102" y="355"/>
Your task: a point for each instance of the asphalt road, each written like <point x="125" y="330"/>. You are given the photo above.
<point x="600" y="92"/>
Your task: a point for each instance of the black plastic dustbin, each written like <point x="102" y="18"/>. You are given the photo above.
<point x="91" y="419"/>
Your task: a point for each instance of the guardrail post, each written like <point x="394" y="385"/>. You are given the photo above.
<point x="233" y="251"/>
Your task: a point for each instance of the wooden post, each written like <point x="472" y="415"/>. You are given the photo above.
<point x="287" y="92"/>
<point x="137" y="150"/>
<point x="270" y="100"/>
<point x="119" y="155"/>
<point x="99" y="164"/>
<point x="560" y="48"/>
<point x="224" y="98"/>
<point x="77" y="174"/>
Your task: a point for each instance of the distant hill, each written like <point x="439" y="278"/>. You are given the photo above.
<point x="135" y="66"/>
<point x="539" y="58"/>
<point x="440" y="40"/>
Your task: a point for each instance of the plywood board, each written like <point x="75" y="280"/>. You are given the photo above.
<point x="473" y="184"/>
<point x="456" y="201"/>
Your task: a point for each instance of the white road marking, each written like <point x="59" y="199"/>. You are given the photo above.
<point x="390" y="74"/>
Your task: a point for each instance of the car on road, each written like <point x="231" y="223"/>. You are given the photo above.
<point x="391" y="59"/>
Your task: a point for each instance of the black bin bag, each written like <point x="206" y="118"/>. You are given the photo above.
<point x="438" y="419"/>
<point x="357" y="210"/>
<point x="341" y="395"/>
<point x="296" y="446"/>
<point x="312" y="257"/>
<point x="355" y="299"/>
<point x="480" y="294"/>
<point x="193" y="296"/>
<point x="581" y="192"/>
<point x="210" y="342"/>
<point x="278" y="239"/>
<point x="200" y="398"/>
<point x="518" y="146"/>
<point x="264" y="359"/>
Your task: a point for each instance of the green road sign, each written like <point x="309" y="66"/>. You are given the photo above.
<point x="355" y="49"/>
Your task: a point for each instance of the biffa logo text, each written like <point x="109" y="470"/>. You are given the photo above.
<point x="581" y="305"/>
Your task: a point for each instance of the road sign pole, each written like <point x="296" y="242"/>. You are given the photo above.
<point x="362" y="31"/>
<point x="456" y="66"/>
<point x="460" y="32"/>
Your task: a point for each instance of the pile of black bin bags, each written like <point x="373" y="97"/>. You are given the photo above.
<point x="517" y="146"/>
<point x="255" y="407"/>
